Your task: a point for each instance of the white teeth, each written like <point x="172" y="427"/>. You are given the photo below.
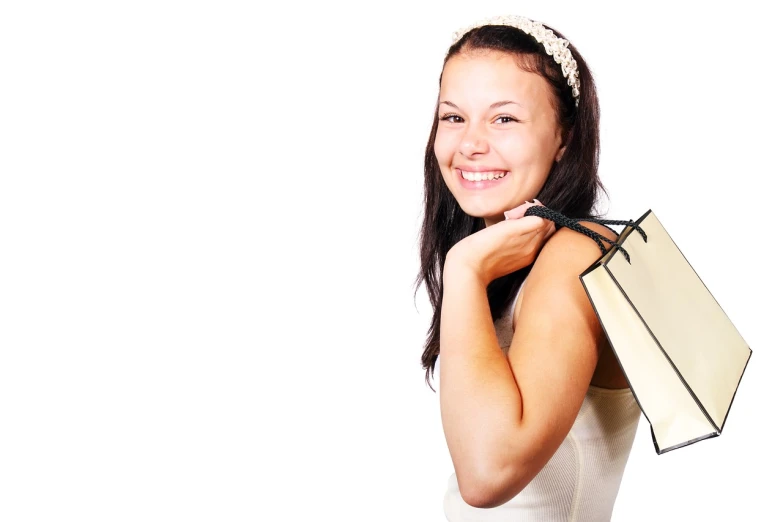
<point x="482" y="176"/>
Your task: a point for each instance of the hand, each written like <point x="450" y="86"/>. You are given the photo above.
<point x="504" y="247"/>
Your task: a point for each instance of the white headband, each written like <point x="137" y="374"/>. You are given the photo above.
<point x="555" y="46"/>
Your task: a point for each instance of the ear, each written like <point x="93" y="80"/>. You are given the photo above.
<point x="565" y="140"/>
<point x="560" y="153"/>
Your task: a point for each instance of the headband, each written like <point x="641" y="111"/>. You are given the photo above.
<point x="555" y="46"/>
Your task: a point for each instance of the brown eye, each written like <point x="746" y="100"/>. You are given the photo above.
<point x="448" y="118"/>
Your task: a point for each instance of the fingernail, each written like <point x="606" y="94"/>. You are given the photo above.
<point x="506" y="214"/>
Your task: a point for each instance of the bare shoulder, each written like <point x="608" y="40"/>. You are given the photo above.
<point x="566" y="250"/>
<point x="565" y="256"/>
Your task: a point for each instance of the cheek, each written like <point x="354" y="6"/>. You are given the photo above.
<point x="525" y="150"/>
<point x="440" y="147"/>
<point x="446" y="145"/>
<point x="518" y="149"/>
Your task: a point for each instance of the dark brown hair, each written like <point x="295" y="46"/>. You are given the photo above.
<point x="571" y="187"/>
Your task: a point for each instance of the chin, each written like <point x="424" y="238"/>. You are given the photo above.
<point x="484" y="212"/>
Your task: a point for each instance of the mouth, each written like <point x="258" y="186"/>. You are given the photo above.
<point x="481" y="180"/>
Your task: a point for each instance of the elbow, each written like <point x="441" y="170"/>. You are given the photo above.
<point x="479" y="497"/>
<point x="491" y="488"/>
<point x="483" y="489"/>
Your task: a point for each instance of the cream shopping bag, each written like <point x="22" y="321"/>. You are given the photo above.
<point x="680" y="353"/>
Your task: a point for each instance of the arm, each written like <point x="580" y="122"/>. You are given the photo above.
<point x="479" y="399"/>
<point x="505" y="417"/>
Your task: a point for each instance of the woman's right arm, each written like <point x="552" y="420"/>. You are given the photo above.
<point x="480" y="402"/>
<point x="481" y="406"/>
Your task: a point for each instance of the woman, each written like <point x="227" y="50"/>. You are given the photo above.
<point x="537" y="414"/>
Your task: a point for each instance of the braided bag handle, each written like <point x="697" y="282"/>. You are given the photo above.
<point x="573" y="224"/>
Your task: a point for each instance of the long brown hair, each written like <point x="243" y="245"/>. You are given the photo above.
<point x="571" y="188"/>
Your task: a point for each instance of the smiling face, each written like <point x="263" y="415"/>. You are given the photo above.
<point x="497" y="134"/>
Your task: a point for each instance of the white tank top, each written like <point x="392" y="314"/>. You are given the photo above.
<point x="581" y="480"/>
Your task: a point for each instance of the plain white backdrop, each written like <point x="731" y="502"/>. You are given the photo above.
<point x="208" y="224"/>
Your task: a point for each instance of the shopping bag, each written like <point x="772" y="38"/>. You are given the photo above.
<point x="682" y="356"/>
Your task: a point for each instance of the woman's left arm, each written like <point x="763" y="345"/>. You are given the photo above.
<point x="504" y="417"/>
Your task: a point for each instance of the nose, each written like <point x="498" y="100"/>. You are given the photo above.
<point x="473" y="141"/>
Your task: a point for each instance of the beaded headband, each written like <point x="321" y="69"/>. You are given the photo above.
<point x="555" y="46"/>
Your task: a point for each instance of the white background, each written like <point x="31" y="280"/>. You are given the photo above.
<point x="208" y="222"/>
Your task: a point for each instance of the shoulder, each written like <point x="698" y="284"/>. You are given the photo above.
<point x="553" y="280"/>
<point x="566" y="255"/>
<point x="553" y="289"/>
<point x="563" y="258"/>
<point x="554" y="294"/>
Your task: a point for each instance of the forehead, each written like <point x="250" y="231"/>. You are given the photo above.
<point x="483" y="78"/>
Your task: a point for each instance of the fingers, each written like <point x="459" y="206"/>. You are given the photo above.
<point x="518" y="212"/>
<point x="535" y="224"/>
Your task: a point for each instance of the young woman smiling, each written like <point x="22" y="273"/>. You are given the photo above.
<point x="537" y="414"/>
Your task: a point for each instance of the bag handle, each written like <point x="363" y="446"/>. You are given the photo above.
<point x="573" y="224"/>
<point x="631" y="224"/>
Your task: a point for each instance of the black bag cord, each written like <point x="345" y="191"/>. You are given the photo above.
<point x="573" y="224"/>
<point x="631" y="224"/>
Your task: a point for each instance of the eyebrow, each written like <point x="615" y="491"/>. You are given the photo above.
<point x="493" y="106"/>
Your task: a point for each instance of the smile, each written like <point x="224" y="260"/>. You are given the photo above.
<point x="481" y="180"/>
<point x="482" y="176"/>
